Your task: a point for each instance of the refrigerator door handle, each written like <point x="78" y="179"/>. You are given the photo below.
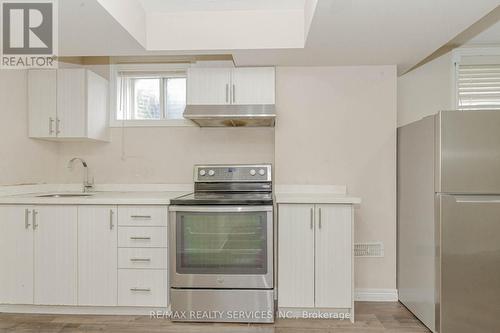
<point x="480" y="199"/>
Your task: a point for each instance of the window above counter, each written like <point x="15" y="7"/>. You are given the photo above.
<point x="148" y="95"/>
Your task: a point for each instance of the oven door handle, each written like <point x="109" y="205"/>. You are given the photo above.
<point x="220" y="209"/>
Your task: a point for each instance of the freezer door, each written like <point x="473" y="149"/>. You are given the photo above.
<point x="468" y="152"/>
<point x="470" y="264"/>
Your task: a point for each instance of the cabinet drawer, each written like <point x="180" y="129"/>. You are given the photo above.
<point x="142" y="258"/>
<point x="142" y="216"/>
<point x="138" y="287"/>
<point x="142" y="237"/>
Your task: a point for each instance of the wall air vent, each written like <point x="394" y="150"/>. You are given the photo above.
<point x="369" y="250"/>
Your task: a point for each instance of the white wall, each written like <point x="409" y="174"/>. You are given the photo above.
<point x="337" y="125"/>
<point x="22" y="160"/>
<point x="426" y="90"/>
<point x="165" y="154"/>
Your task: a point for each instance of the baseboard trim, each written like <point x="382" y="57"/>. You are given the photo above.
<point x="376" y="295"/>
<point x="80" y="310"/>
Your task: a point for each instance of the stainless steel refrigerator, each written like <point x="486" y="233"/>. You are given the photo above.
<point x="449" y="220"/>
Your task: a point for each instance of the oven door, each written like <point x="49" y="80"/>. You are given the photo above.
<point x="221" y="247"/>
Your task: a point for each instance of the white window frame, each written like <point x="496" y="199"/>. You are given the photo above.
<point x="467" y="51"/>
<point x="115" y="69"/>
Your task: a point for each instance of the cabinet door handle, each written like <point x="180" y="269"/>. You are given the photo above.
<point x="111" y="225"/>
<point x="140" y="259"/>
<point x="319" y="218"/>
<point x="140" y="289"/>
<point x="27" y="218"/>
<point x="35" y="225"/>
<point x="312" y="218"/>
<point x="227" y="93"/>
<point x="58" y="125"/>
<point x="140" y="216"/>
<point x="51" y="125"/>
<point x="234" y="93"/>
<point x="140" y="238"/>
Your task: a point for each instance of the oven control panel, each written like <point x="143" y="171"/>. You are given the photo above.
<point x="232" y="173"/>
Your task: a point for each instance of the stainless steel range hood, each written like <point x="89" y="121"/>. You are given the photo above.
<point x="231" y="115"/>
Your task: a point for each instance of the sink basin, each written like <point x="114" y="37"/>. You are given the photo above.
<point x="64" y="195"/>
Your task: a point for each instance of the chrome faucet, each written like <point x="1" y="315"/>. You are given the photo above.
<point x="88" y="185"/>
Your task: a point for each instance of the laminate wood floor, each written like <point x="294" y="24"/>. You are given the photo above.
<point x="371" y="317"/>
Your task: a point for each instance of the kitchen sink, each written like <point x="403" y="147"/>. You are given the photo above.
<point x="65" y="195"/>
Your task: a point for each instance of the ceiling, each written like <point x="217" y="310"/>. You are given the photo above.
<point x="218" y="5"/>
<point x="342" y="32"/>
<point x="173" y="25"/>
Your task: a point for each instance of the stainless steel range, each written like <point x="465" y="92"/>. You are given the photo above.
<point x="221" y="257"/>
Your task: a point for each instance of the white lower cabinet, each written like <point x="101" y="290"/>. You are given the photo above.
<point x="142" y="287"/>
<point x="333" y="257"/>
<point x="142" y="256"/>
<point x="55" y="255"/>
<point x="68" y="255"/>
<point x="296" y="256"/>
<point x="315" y="256"/>
<point x="16" y="255"/>
<point x="142" y="237"/>
<point x="97" y="255"/>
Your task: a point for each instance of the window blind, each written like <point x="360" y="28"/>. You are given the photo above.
<point x="478" y="87"/>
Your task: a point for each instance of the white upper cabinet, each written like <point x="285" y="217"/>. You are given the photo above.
<point x="239" y="86"/>
<point x="67" y="104"/>
<point x="253" y="86"/>
<point x="16" y="255"/>
<point x="71" y="103"/>
<point x="97" y="255"/>
<point x="42" y="103"/>
<point x="209" y="86"/>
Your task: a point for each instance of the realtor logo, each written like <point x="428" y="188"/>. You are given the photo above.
<point x="29" y="36"/>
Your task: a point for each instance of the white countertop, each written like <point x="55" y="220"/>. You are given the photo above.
<point x="161" y="194"/>
<point x="104" y="194"/>
<point x="97" y="198"/>
<point x="315" y="198"/>
<point x="314" y="194"/>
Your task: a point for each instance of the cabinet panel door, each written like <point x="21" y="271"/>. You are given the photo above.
<point x="97" y="255"/>
<point x="42" y="103"/>
<point x="334" y="252"/>
<point x="97" y="106"/>
<point x="71" y="103"/>
<point x="253" y="86"/>
<point x="209" y="86"/>
<point x="16" y="255"/>
<point x="295" y="255"/>
<point x="55" y="242"/>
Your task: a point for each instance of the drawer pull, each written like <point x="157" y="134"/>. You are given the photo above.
<point x="140" y="238"/>
<point x="140" y="289"/>
<point x="140" y="259"/>
<point x="140" y="217"/>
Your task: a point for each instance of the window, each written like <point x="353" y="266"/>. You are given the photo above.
<point x="477" y="77"/>
<point x="479" y="87"/>
<point x="149" y="95"/>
